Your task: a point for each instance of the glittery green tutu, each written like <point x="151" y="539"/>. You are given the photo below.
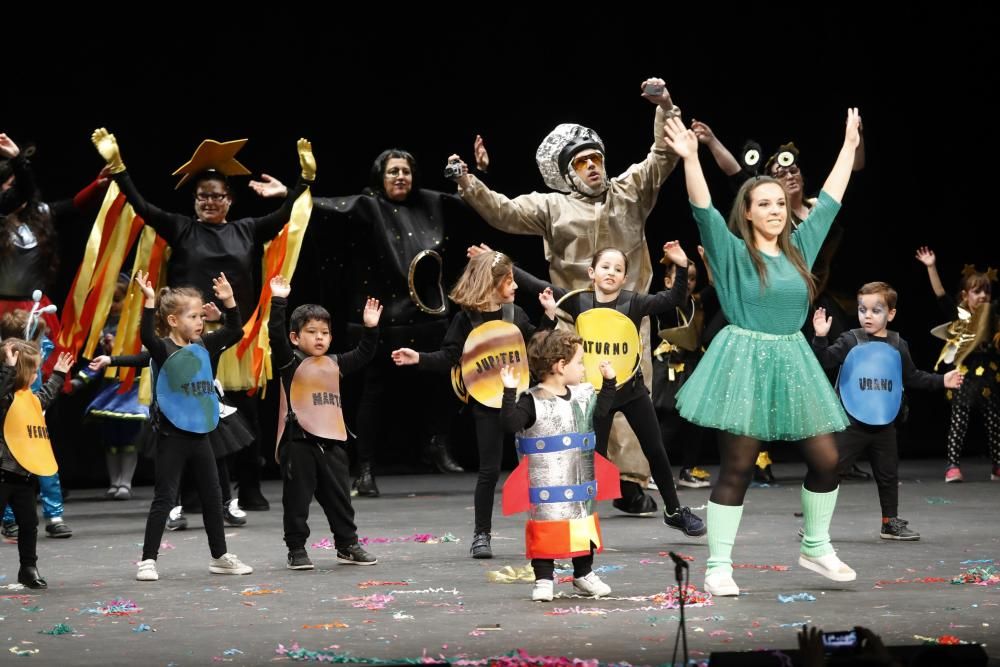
<point x="766" y="386"/>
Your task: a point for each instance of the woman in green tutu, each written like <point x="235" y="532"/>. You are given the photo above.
<point x="759" y="379"/>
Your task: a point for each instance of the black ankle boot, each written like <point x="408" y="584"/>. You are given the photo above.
<point x="28" y="575"/>
<point x="365" y="483"/>
<point x="436" y="455"/>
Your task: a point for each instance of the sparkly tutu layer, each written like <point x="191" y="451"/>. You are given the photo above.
<point x="766" y="386"/>
<point x="112" y="405"/>
<point x="231" y="435"/>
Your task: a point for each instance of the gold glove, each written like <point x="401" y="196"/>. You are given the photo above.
<point x="307" y="160"/>
<point x="107" y="146"/>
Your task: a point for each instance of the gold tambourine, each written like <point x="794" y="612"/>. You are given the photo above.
<point x="609" y="335"/>
<point x="414" y="296"/>
<point x="27" y="436"/>
<point x="490" y="347"/>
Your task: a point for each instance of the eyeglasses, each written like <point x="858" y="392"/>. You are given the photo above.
<point x="581" y="162"/>
<point x="781" y="172"/>
<point x="211" y="196"/>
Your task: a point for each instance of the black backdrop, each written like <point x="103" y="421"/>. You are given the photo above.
<point x="357" y="84"/>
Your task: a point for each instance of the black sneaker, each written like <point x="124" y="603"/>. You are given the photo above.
<point x="855" y="473"/>
<point x="232" y="515"/>
<point x="365" y="485"/>
<point x="298" y="559"/>
<point x="481" y="546"/>
<point x="252" y="500"/>
<point x="764" y="475"/>
<point x="355" y="555"/>
<point x="9" y="530"/>
<point x="896" y="529"/>
<point x="176" y="519"/>
<point x="634" y="500"/>
<point x="685" y="521"/>
<point x="58" y="529"/>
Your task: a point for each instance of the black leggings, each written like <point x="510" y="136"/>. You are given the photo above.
<point x="677" y="431"/>
<point x="489" y="440"/>
<point x="385" y="384"/>
<point x="19" y="491"/>
<point x="641" y="418"/>
<point x="738" y="454"/>
<point x="545" y="568"/>
<point x="172" y="453"/>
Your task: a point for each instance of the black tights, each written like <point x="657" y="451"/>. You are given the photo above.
<point x="738" y="454"/>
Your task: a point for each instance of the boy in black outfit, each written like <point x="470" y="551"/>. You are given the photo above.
<point x="870" y="385"/>
<point x="312" y="450"/>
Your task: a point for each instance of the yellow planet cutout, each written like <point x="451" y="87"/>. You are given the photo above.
<point x="608" y="335"/>
<point x="490" y="347"/>
<point x="27" y="436"/>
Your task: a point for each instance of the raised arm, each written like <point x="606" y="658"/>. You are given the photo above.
<point x="281" y="349"/>
<point x="836" y="182"/>
<point x="167" y="225"/>
<point x="232" y="324"/>
<point x="723" y="157"/>
<point x="684" y="142"/>
<point x="927" y="257"/>
<point x="268" y="226"/>
<point x="361" y="355"/>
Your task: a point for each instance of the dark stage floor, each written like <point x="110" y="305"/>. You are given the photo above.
<point x="430" y="599"/>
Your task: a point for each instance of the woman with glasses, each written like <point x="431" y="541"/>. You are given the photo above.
<point x="208" y="243"/>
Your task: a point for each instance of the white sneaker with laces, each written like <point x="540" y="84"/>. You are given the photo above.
<point x="228" y="564"/>
<point x="590" y="584"/>
<point x="829" y="566"/>
<point x="543" y="590"/>
<point x="147" y="571"/>
<point x="721" y="584"/>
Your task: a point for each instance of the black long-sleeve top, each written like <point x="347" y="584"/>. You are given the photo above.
<point x="461" y="326"/>
<point x="46" y="395"/>
<point x="517" y="415"/>
<point x="285" y="360"/>
<point x="832" y="356"/>
<point x="201" y="250"/>
<point x="382" y="237"/>
<point x="160" y="349"/>
<point x="641" y="304"/>
<point x="215" y="342"/>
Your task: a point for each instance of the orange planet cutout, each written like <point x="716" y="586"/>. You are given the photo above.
<point x="27" y="436"/>
<point x="315" y="400"/>
<point x="609" y="335"/>
<point x="490" y="347"/>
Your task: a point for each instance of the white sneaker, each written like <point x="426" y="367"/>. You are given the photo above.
<point x="590" y="584"/>
<point x="147" y="571"/>
<point x="542" y="592"/>
<point x="228" y="564"/>
<point x="829" y="566"/>
<point x="721" y="584"/>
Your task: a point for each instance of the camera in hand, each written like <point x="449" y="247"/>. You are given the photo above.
<point x="844" y="641"/>
<point x="453" y="170"/>
<point x="653" y="89"/>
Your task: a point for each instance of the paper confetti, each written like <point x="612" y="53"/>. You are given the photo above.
<point x="796" y="597"/>
<point x="751" y="566"/>
<point x="58" y="629"/>
<point x="257" y="590"/>
<point x="371" y="583"/>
